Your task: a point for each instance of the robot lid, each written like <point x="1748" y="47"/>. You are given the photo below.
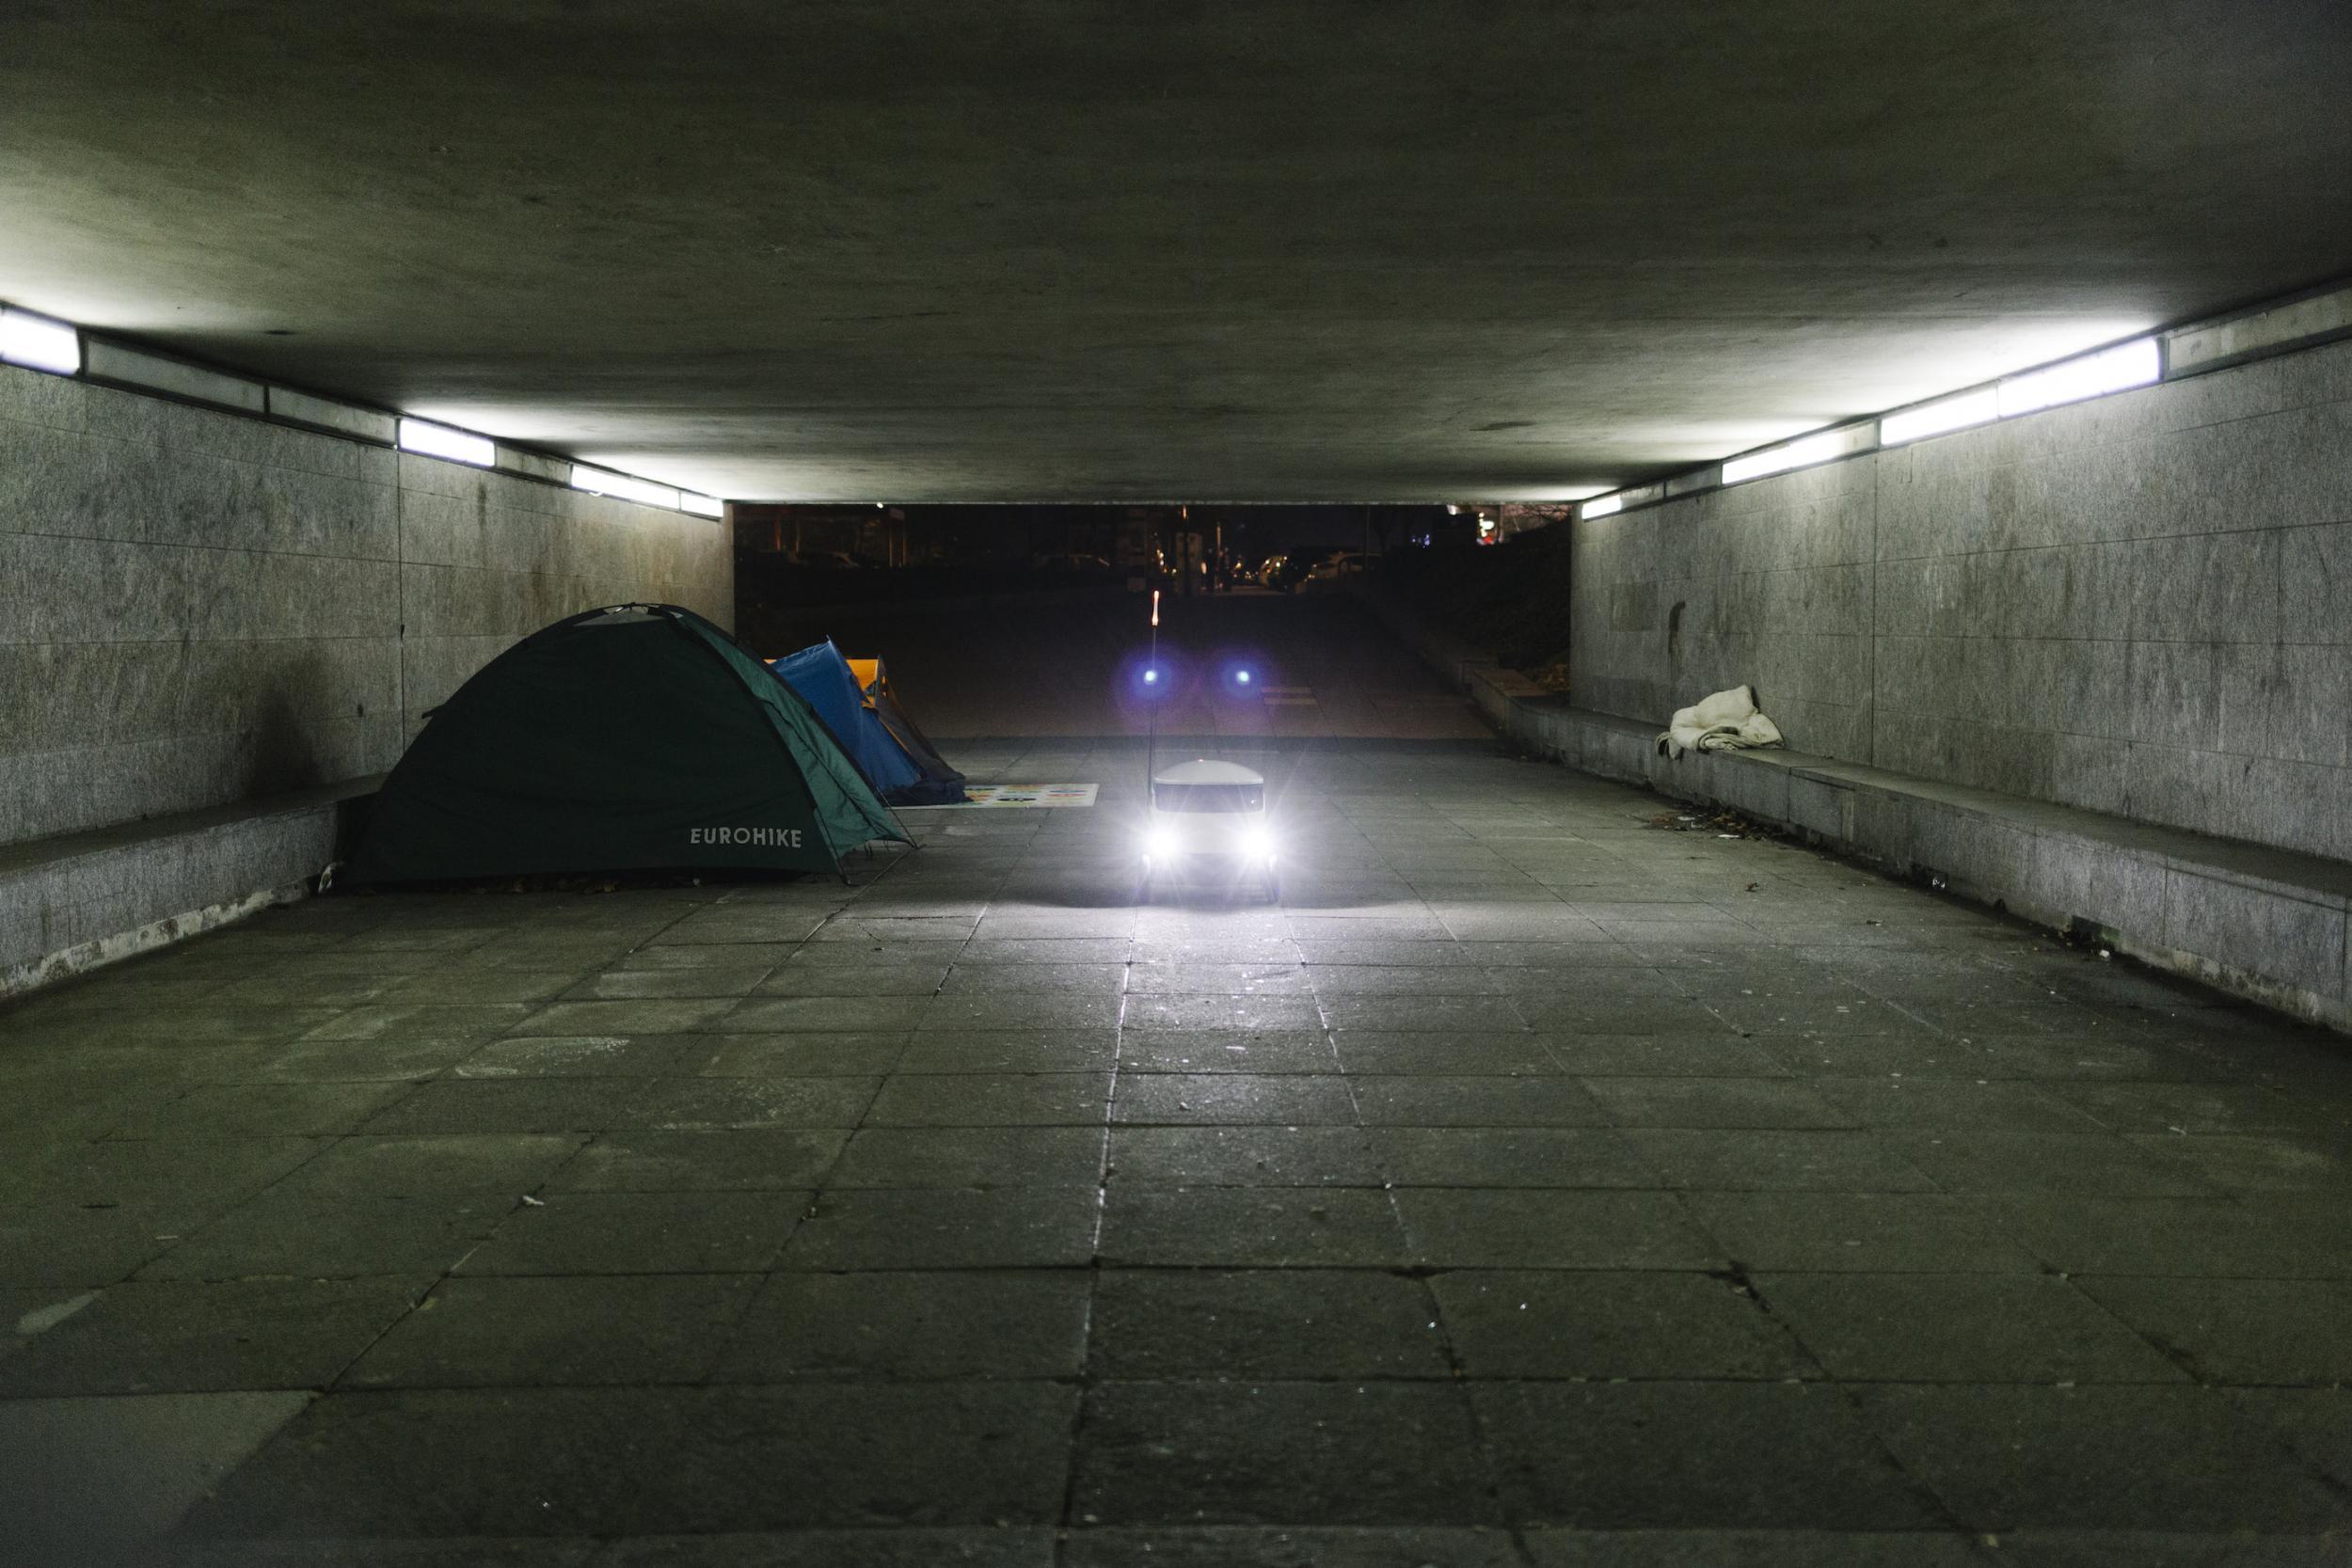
<point x="1203" y="771"/>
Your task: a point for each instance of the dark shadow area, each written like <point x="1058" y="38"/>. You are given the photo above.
<point x="1511" y="599"/>
<point x="792" y="561"/>
<point x="281" y="751"/>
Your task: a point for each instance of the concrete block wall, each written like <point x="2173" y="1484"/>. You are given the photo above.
<point x="199" y="609"/>
<point x="2141" y="605"/>
<point x="487" y="560"/>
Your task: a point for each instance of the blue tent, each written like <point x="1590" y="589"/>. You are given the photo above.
<point x="822" y="678"/>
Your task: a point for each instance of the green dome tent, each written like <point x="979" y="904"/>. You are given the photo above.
<point x="638" y="737"/>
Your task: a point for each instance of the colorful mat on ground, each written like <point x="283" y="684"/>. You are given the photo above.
<point x="1030" y="794"/>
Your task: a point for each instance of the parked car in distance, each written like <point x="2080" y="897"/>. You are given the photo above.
<point x="1340" y="564"/>
<point x="1295" y="566"/>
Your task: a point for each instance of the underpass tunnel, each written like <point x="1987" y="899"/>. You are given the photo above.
<point x="1507" y="786"/>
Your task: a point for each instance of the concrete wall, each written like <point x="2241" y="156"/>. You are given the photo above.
<point x="2141" y="605"/>
<point x="197" y="608"/>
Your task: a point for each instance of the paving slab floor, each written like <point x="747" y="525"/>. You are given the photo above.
<point x="1532" y="1185"/>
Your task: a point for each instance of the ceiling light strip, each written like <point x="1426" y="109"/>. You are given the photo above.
<point x="603" y="481"/>
<point x="1941" y="417"/>
<point x="2138" y="363"/>
<point x="441" y="440"/>
<point x="35" y="341"/>
<point x="1827" y="446"/>
<point x="40" y="342"/>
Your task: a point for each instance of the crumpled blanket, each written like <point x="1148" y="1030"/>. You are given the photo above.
<point x="1727" y="721"/>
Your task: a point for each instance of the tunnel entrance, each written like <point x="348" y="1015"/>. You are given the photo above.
<point x="1029" y="621"/>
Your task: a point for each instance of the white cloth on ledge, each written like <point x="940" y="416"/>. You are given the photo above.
<point x="1727" y="721"/>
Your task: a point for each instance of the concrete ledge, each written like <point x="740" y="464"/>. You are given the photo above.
<point x="2263" y="924"/>
<point x="71" y="903"/>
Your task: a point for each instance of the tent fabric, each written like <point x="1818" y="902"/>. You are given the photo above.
<point x="822" y="678"/>
<point x="638" y="737"/>
<point x="941" y="786"/>
<point x="905" y="767"/>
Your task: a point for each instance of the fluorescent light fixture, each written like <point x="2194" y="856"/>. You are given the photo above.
<point x="2132" y="364"/>
<point x="440" y="440"/>
<point x="1826" y="446"/>
<point x="622" y="487"/>
<point x="40" y="343"/>
<point x="1602" y="506"/>
<point x="701" y="506"/>
<point x="1957" y="412"/>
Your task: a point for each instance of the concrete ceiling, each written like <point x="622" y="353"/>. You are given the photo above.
<point x="958" y="251"/>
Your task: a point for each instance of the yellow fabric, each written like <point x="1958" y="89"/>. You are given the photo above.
<point x="868" y="675"/>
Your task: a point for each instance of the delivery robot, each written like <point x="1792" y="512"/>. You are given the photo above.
<point x="1206" y="823"/>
